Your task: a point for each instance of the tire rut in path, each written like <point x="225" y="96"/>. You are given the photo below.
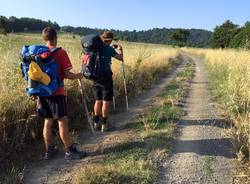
<point x="201" y="153"/>
<point x="59" y="171"/>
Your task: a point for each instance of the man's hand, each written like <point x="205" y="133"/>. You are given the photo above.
<point x="119" y="54"/>
<point x="33" y="98"/>
<point x="79" y="76"/>
<point x="72" y="76"/>
<point x="119" y="47"/>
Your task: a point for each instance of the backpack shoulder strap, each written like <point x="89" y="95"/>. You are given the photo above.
<point x="54" y="50"/>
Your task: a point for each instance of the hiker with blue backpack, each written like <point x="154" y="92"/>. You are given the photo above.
<point x="97" y="55"/>
<point x="45" y="68"/>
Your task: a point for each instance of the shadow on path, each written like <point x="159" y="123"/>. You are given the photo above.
<point x="220" y="123"/>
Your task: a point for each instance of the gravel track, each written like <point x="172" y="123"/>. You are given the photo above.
<point x="201" y="154"/>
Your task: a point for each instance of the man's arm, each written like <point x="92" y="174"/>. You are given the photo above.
<point x="67" y="66"/>
<point x="72" y="76"/>
<point x="119" y="54"/>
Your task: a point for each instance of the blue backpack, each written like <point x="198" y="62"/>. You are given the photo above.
<point x="42" y="56"/>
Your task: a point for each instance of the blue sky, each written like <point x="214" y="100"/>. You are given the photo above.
<point x="131" y="14"/>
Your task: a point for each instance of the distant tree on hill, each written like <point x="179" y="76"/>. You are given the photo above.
<point x="223" y="35"/>
<point x="242" y="38"/>
<point x="3" y="25"/>
<point x="14" y="24"/>
<point x="180" y="37"/>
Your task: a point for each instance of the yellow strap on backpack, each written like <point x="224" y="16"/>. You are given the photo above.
<point x="35" y="73"/>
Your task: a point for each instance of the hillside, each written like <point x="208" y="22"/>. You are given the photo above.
<point x="192" y="37"/>
<point x="196" y="37"/>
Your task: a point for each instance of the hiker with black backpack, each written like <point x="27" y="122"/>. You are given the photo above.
<point x="97" y="56"/>
<point x="45" y="68"/>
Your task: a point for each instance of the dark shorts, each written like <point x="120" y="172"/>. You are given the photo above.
<point x="52" y="107"/>
<point x="103" y="90"/>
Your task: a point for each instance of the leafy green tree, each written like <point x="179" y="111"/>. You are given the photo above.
<point x="3" y="25"/>
<point x="180" y="37"/>
<point x="223" y="35"/>
<point x="242" y="38"/>
<point x="238" y="39"/>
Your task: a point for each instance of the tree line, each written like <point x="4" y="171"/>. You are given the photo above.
<point x="230" y="35"/>
<point x="180" y="37"/>
<point x="25" y="24"/>
<point x="227" y="35"/>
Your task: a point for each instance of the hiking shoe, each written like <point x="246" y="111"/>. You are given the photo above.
<point x="97" y="126"/>
<point x="105" y="127"/>
<point x="73" y="153"/>
<point x="105" y="124"/>
<point x="96" y="123"/>
<point x="51" y="152"/>
<point x="108" y="127"/>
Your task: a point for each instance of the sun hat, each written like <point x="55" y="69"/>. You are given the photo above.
<point x="107" y="35"/>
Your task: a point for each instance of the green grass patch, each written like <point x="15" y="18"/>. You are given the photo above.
<point x="172" y="90"/>
<point x="124" y="163"/>
<point x="156" y="118"/>
<point x="207" y="166"/>
<point x="186" y="74"/>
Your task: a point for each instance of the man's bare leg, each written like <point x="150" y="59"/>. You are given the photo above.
<point x="64" y="132"/>
<point x="105" y="109"/>
<point x="97" y="114"/>
<point x="98" y="107"/>
<point x="105" y="115"/>
<point x="47" y="132"/>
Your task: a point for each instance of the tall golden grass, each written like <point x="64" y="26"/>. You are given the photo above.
<point x="145" y="63"/>
<point x="229" y="71"/>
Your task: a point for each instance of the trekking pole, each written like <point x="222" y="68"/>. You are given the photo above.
<point x="88" y="116"/>
<point x="125" y="85"/>
<point x="85" y="94"/>
<point x="114" y="107"/>
<point x="86" y="107"/>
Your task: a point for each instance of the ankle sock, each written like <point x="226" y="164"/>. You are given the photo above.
<point x="50" y="148"/>
<point x="96" y="119"/>
<point x="105" y="120"/>
<point x="70" y="148"/>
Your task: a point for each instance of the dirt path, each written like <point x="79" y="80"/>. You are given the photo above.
<point x="201" y="153"/>
<point x="59" y="171"/>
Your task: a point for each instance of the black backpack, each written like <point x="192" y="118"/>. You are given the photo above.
<point x="92" y="57"/>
